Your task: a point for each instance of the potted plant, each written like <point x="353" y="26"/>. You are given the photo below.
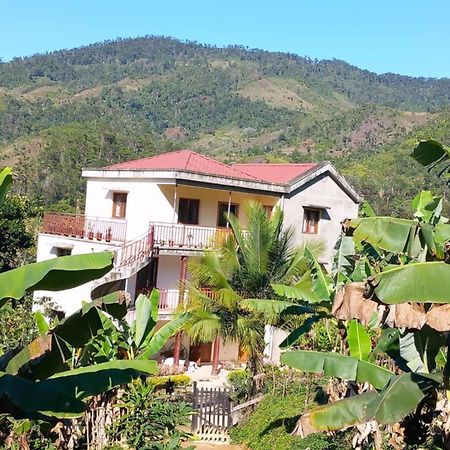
<point x="99" y="236"/>
<point x="108" y="235"/>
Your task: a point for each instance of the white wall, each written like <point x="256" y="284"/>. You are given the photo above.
<point x="69" y="300"/>
<point x="322" y="191"/>
<point x="145" y="203"/>
<point x="169" y="268"/>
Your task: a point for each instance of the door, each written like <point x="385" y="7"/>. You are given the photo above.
<point x="201" y="353"/>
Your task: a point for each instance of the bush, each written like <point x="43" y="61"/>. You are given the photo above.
<point x="181" y="380"/>
<point x="269" y="428"/>
<point x="240" y="384"/>
<point x="286" y="381"/>
<point x="150" y="420"/>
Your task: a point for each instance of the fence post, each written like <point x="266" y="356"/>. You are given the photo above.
<point x="194" y="421"/>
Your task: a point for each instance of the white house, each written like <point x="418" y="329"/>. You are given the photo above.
<point x="156" y="212"/>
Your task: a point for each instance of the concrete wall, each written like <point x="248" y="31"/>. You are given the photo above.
<point x="148" y="201"/>
<point x="69" y="300"/>
<point x="169" y="268"/>
<point x="145" y="203"/>
<point x="337" y="206"/>
<point x="210" y="198"/>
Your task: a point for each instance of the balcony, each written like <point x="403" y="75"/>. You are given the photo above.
<point x="84" y="227"/>
<point x="169" y="236"/>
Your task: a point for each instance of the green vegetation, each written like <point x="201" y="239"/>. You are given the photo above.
<point x="230" y="292"/>
<point x="272" y="423"/>
<point x="150" y="420"/>
<point x="132" y="98"/>
<point x="70" y="368"/>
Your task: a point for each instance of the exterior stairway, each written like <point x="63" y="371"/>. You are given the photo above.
<point x="129" y="259"/>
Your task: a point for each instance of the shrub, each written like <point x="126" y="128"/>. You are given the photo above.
<point x="240" y="384"/>
<point x="150" y="420"/>
<point x="159" y="382"/>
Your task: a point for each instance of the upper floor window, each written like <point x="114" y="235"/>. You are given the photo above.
<point x="311" y="218"/>
<point x="222" y="211"/>
<point x="188" y="210"/>
<point x="268" y="209"/>
<point x="119" y="204"/>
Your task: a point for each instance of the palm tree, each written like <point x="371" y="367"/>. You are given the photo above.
<point x="230" y="293"/>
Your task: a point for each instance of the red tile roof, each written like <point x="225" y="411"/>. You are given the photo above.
<point x="190" y="161"/>
<point x="275" y="173"/>
<point x="184" y="160"/>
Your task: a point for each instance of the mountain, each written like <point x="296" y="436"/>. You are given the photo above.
<point x="125" y="99"/>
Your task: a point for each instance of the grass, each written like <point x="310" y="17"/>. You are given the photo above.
<point x="270" y="427"/>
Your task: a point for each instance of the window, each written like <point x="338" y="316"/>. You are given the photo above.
<point x="311" y="219"/>
<point x="222" y="210"/>
<point x="119" y="204"/>
<point x="63" y="251"/>
<point x="188" y="209"/>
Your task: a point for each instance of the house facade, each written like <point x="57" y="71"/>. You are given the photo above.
<point x="156" y="213"/>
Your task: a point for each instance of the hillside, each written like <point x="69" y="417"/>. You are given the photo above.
<point x="125" y="99"/>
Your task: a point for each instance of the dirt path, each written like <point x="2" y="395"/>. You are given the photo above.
<point x="208" y="446"/>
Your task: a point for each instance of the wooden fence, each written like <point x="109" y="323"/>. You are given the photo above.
<point x="212" y="417"/>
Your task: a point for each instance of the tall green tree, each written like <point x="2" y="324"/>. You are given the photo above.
<point x="231" y="297"/>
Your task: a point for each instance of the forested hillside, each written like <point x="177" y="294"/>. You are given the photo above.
<point x="125" y="99"/>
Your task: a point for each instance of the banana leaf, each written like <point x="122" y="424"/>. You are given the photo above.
<point x="431" y="154"/>
<point x="5" y="182"/>
<point x="427" y="282"/>
<point x="337" y="415"/>
<point x="24" y="398"/>
<point x="54" y="274"/>
<point x="161" y="336"/>
<point x="388" y="233"/>
<point x="337" y="365"/>
<point x="92" y="380"/>
<point x="359" y="341"/>
<point x="401" y="396"/>
<point x="296" y="334"/>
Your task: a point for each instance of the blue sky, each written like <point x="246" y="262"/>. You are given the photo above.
<point x="408" y="37"/>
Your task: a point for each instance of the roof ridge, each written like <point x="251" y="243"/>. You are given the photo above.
<point x="274" y="164"/>
<point x="189" y="157"/>
<point x="229" y="166"/>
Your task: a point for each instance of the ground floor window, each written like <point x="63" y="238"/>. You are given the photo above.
<point x="63" y="251"/>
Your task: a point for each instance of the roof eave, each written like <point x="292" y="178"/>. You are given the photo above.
<point x="159" y="174"/>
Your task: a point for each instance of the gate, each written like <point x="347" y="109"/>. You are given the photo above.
<point x="212" y="416"/>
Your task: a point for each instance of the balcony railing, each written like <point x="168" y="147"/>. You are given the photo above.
<point x="136" y="251"/>
<point x="85" y="227"/>
<point x="173" y="236"/>
<point x="168" y="299"/>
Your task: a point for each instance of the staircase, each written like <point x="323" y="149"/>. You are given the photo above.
<point x="129" y="259"/>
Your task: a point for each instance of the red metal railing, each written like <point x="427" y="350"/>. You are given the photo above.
<point x="187" y="236"/>
<point x="94" y="228"/>
<point x="136" y="251"/>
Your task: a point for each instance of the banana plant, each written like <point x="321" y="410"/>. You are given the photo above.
<point x="399" y="275"/>
<point x="40" y="380"/>
<point x="392" y="396"/>
<point x="136" y="341"/>
<point x="433" y="154"/>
